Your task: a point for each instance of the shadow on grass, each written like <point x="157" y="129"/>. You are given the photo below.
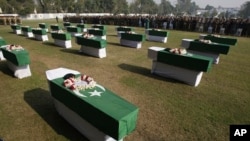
<point x="5" y="69"/>
<point x="51" y="44"/>
<point x="41" y="101"/>
<point x="146" y="72"/>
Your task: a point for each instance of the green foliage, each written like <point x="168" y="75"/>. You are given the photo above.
<point x="245" y="10"/>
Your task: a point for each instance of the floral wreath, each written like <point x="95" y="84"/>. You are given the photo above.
<point x="87" y="35"/>
<point x="179" y="51"/>
<point x="14" y="47"/>
<point x="78" y="83"/>
<point x="205" y="41"/>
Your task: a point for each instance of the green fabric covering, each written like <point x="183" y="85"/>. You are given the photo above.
<point x="158" y="33"/>
<point x="39" y="31"/>
<point x="97" y="32"/>
<point x="19" y="58"/>
<point x="188" y="61"/>
<point x="2" y="42"/>
<point x="121" y="28"/>
<point x="55" y="27"/>
<point x="109" y="113"/>
<point x="43" y="25"/>
<point x="213" y="47"/>
<point x="15" y="27"/>
<point x="66" y="24"/>
<point x="92" y="42"/>
<point x="61" y="36"/>
<point x="102" y="27"/>
<point x="26" y="29"/>
<point x="82" y="26"/>
<point x="133" y="37"/>
<point x="222" y="40"/>
<point x="74" y="29"/>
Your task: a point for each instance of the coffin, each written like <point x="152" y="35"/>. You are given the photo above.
<point x="74" y="30"/>
<point x="124" y="28"/>
<point x="132" y="40"/>
<point x="98" y="33"/>
<point x="44" y="26"/>
<point x="27" y="31"/>
<point x="211" y="50"/>
<point x="157" y="35"/>
<point x="97" y="113"/>
<point x="92" y="46"/>
<point x="83" y="27"/>
<point x="221" y="40"/>
<point x="40" y="34"/>
<point x="16" y="29"/>
<point x="55" y="27"/>
<point x="62" y="39"/>
<point x="187" y="68"/>
<point x="102" y="27"/>
<point x="18" y="62"/>
<point x="2" y="43"/>
<point x="65" y="24"/>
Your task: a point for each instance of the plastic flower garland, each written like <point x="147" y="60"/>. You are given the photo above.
<point x="14" y="47"/>
<point x="80" y="83"/>
<point x="179" y="51"/>
<point x="205" y="41"/>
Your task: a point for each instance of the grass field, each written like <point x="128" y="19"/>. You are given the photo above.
<point x="169" y="110"/>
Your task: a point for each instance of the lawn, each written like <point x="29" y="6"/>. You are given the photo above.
<point x="168" y="109"/>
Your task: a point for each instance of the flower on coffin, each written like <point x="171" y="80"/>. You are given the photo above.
<point x="215" y="35"/>
<point x="80" y="83"/>
<point x="180" y="51"/>
<point x="205" y="41"/>
<point x="14" y="47"/>
<point x="156" y="29"/>
<point x="129" y="32"/>
<point x="88" y="36"/>
<point x="60" y="31"/>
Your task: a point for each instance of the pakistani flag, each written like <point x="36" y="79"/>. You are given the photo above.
<point x="99" y="106"/>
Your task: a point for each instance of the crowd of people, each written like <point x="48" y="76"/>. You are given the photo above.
<point x="232" y="26"/>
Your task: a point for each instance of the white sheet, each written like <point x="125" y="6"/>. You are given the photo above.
<point x="63" y="43"/>
<point x="100" y="53"/>
<point x="130" y="43"/>
<point x="19" y="71"/>
<point x="41" y="37"/>
<point x="157" y="38"/>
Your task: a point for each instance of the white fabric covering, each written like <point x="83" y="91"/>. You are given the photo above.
<point x="28" y="34"/>
<point x="63" y="43"/>
<point x="130" y="43"/>
<point x="19" y="71"/>
<point x="18" y="31"/>
<point x="97" y="52"/>
<point x="157" y="38"/>
<point x="41" y="37"/>
<point x="190" y="77"/>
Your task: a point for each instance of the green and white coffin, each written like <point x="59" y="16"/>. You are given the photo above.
<point x="102" y="27"/>
<point x="65" y="24"/>
<point x="83" y="27"/>
<point x="44" y="26"/>
<point x="27" y="31"/>
<point x="62" y="39"/>
<point x="157" y="35"/>
<point x="74" y="30"/>
<point x="221" y="40"/>
<point x="18" y="62"/>
<point x="92" y="46"/>
<point x="211" y="50"/>
<point x="124" y="29"/>
<point x="132" y="40"/>
<point x="16" y="28"/>
<point x="2" y="44"/>
<point x="55" y="27"/>
<point x="40" y="34"/>
<point x="99" y="33"/>
<point x="187" y="68"/>
<point x="97" y="113"/>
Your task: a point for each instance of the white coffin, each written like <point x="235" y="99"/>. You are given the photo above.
<point x="17" y="31"/>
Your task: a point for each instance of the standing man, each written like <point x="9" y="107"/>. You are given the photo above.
<point x="56" y="19"/>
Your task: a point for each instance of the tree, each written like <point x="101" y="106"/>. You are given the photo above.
<point x="245" y="10"/>
<point x="209" y="7"/>
<point x="165" y="7"/>
<point x="143" y="6"/>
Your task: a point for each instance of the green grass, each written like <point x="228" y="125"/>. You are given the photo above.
<point x="169" y="110"/>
